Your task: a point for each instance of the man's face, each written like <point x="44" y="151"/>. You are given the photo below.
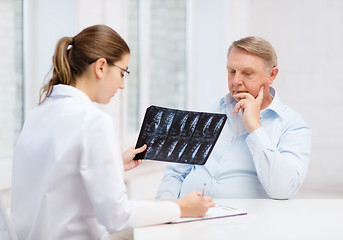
<point x="248" y="73"/>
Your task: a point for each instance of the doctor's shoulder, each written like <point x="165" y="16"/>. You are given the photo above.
<point x="96" y="119"/>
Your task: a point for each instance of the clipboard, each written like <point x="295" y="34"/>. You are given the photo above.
<point x="179" y="136"/>
<point x="218" y="211"/>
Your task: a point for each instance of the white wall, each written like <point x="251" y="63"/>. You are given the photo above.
<point x="308" y="37"/>
<point x="208" y="48"/>
<point x="10" y="72"/>
<point x="45" y="22"/>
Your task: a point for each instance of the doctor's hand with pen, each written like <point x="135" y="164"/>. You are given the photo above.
<point x="195" y="204"/>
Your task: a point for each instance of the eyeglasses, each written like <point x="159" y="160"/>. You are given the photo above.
<point x="125" y="74"/>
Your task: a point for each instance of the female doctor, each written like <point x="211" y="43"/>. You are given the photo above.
<point x="67" y="180"/>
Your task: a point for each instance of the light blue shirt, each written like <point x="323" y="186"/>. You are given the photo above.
<point x="271" y="162"/>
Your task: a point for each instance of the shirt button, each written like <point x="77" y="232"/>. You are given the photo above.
<point x="214" y="181"/>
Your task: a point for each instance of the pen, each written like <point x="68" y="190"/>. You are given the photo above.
<point x="203" y="190"/>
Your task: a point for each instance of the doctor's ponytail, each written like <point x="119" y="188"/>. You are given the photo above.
<point x="61" y="68"/>
<point x="73" y="55"/>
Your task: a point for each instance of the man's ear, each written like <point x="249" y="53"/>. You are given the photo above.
<point x="99" y="67"/>
<point x="273" y="74"/>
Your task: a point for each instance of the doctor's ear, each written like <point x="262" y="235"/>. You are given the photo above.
<point x="99" y="67"/>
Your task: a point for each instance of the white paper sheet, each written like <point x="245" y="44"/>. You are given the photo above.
<point x="218" y="211"/>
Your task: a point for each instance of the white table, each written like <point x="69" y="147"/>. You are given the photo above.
<point x="267" y="219"/>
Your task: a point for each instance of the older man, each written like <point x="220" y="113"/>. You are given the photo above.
<point x="264" y="148"/>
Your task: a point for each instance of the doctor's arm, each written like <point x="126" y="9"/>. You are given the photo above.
<point x="101" y="170"/>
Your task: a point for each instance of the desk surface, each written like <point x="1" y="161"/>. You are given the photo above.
<point x="267" y="219"/>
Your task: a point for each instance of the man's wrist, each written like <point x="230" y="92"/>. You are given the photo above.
<point x="254" y="127"/>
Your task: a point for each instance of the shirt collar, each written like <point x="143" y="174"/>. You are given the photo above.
<point x="274" y="106"/>
<point x="62" y="90"/>
<point x="227" y="99"/>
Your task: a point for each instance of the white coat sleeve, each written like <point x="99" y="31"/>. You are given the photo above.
<point x="102" y="169"/>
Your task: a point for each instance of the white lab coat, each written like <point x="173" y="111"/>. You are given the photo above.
<point x="67" y="180"/>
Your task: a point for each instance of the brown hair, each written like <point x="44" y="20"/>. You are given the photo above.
<point x="73" y="55"/>
<point x="259" y="47"/>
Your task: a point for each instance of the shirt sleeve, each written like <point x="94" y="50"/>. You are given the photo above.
<point x="151" y="212"/>
<point x="101" y="170"/>
<point x="281" y="167"/>
<point x="172" y="180"/>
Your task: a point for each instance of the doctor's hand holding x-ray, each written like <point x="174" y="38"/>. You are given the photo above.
<point x="128" y="156"/>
